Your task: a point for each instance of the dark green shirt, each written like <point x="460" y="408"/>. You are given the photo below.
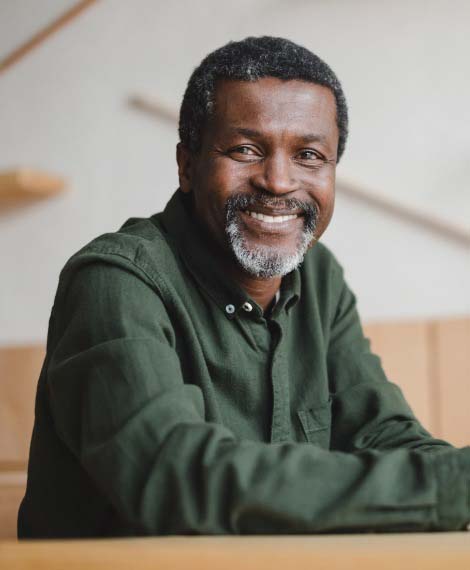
<point x="168" y="403"/>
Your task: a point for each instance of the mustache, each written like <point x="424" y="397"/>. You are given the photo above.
<point x="245" y="201"/>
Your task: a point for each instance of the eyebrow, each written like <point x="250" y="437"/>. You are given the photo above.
<point x="306" y="138"/>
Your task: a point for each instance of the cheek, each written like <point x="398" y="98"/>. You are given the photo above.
<point x="222" y="180"/>
<point x="326" y="212"/>
<point x="214" y="186"/>
<point x="226" y="175"/>
<point x="326" y="194"/>
<point x="323" y="193"/>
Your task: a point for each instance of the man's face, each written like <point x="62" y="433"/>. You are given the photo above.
<point x="263" y="181"/>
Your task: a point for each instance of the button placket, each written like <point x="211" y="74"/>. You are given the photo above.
<point x="280" y="422"/>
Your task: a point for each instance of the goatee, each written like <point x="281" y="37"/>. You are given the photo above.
<point x="265" y="262"/>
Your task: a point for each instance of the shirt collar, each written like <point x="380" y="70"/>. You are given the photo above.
<point x="198" y="254"/>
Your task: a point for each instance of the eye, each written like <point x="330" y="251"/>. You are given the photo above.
<point x="244" y="153"/>
<point x="309" y="155"/>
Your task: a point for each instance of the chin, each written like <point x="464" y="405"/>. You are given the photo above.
<point x="266" y="263"/>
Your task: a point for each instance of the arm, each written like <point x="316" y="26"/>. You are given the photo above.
<point x="120" y="404"/>
<point x="371" y="411"/>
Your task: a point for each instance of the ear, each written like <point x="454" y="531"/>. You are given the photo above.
<point x="185" y="163"/>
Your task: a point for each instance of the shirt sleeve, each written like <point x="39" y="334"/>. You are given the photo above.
<point x="138" y="428"/>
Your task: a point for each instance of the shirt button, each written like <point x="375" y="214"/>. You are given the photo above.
<point x="248" y="307"/>
<point x="230" y="309"/>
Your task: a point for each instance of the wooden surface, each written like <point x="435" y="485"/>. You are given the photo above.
<point x="12" y="488"/>
<point x="430" y="551"/>
<point x="20" y="367"/>
<point x="430" y="361"/>
<point x="19" y="372"/>
<point x="452" y="358"/>
<point x="403" y="349"/>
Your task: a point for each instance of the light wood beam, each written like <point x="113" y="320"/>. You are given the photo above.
<point x="23" y="185"/>
<point x="404" y="212"/>
<point x="41" y="36"/>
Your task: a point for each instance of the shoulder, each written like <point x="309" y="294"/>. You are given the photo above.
<point x="140" y="246"/>
<point x="323" y="287"/>
<point x="322" y="270"/>
<point x="119" y="269"/>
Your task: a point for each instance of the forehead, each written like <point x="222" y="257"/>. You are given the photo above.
<point x="275" y="105"/>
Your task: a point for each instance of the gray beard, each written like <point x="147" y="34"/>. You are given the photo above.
<point x="265" y="262"/>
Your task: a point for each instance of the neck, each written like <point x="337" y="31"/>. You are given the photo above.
<point x="262" y="291"/>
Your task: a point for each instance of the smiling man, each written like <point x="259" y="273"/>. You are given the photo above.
<point x="206" y="370"/>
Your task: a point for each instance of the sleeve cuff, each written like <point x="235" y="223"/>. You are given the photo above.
<point x="452" y="468"/>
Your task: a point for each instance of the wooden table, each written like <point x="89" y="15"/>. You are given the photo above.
<point x="430" y="551"/>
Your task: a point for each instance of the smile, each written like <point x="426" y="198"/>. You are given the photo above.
<point x="271" y="219"/>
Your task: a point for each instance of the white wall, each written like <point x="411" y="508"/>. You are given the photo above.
<point x="64" y="109"/>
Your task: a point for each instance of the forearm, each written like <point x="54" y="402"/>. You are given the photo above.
<point x="167" y="471"/>
<point x="201" y="480"/>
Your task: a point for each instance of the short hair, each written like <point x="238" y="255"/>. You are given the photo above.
<point x="249" y="60"/>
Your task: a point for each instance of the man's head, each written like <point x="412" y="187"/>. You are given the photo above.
<point x="262" y="125"/>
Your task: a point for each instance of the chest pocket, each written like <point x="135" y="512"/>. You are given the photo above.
<point x="316" y="424"/>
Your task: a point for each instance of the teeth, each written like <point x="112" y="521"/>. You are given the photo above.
<point x="271" y="219"/>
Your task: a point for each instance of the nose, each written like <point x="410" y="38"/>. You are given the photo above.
<point x="275" y="175"/>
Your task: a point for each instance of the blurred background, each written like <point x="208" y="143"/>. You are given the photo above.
<point x="89" y="97"/>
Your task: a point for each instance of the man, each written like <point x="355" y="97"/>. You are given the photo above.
<point x="206" y="371"/>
